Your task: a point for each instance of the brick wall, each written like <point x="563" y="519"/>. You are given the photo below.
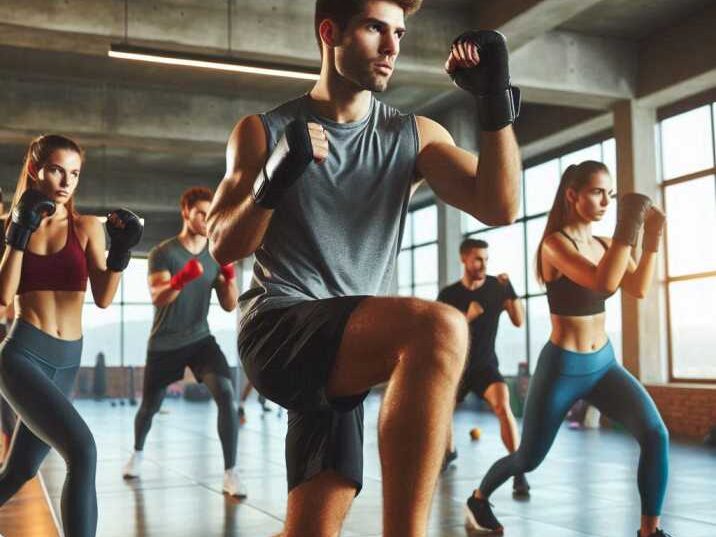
<point x="689" y="410"/>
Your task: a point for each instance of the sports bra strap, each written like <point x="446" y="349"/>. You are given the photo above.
<point x="602" y="242"/>
<point x="570" y="239"/>
<point x="598" y="239"/>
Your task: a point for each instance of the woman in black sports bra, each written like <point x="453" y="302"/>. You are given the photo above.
<point x="580" y="272"/>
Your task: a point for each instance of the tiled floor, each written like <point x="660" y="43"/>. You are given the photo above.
<point x="586" y="487"/>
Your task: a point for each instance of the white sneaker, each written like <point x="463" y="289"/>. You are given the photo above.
<point x="232" y="484"/>
<point x="133" y="468"/>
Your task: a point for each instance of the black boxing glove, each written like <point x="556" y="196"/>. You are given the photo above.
<point x="498" y="103"/>
<point x="31" y="208"/>
<point x="122" y="238"/>
<point x="631" y="211"/>
<point x="289" y="159"/>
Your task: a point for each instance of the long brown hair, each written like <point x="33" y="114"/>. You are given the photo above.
<point x="39" y="151"/>
<point x="576" y="176"/>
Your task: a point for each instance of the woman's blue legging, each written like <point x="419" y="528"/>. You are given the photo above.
<point x="563" y="377"/>
<point x="37" y="372"/>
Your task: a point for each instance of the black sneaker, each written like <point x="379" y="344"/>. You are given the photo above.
<point x="479" y="517"/>
<point x="656" y="533"/>
<point x="450" y="456"/>
<point x="520" y="486"/>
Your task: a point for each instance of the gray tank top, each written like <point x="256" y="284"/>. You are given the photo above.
<point x="337" y="232"/>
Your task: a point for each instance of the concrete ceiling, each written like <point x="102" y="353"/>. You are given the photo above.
<point x="152" y="130"/>
<point x="632" y="20"/>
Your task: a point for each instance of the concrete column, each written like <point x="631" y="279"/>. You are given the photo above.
<point x="635" y="134"/>
<point x="449" y="238"/>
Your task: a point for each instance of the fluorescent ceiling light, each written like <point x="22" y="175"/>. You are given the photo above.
<point x="205" y="61"/>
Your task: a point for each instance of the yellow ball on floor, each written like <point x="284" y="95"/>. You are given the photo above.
<point x="475" y="433"/>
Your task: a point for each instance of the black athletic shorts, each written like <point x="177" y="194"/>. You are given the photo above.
<point x="202" y="357"/>
<point x="288" y="355"/>
<point x="477" y="380"/>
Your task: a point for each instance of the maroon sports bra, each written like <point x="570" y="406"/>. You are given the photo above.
<point x="65" y="270"/>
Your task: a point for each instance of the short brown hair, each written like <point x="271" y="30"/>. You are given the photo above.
<point x="191" y="196"/>
<point x="471" y="244"/>
<point x="342" y="11"/>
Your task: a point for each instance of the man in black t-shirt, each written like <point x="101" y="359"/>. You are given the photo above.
<point x="482" y="299"/>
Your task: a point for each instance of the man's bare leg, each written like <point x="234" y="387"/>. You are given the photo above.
<point x="419" y="347"/>
<point x="498" y="397"/>
<point x="318" y="506"/>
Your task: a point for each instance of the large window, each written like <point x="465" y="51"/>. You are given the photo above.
<point x="688" y="157"/>
<point x="122" y="330"/>
<point x="513" y="248"/>
<point x="418" y="258"/>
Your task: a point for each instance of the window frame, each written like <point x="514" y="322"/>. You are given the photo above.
<point x="413" y="246"/>
<point x="672" y="111"/>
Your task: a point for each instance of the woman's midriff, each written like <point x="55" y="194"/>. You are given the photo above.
<point x="579" y="334"/>
<point x="57" y="313"/>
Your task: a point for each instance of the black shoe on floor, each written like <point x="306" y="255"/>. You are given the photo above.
<point x="450" y="456"/>
<point x="480" y="519"/>
<point x="520" y="486"/>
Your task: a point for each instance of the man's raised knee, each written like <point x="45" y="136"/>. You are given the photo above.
<point x="445" y="330"/>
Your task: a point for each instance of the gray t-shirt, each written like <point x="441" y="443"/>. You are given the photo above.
<point x="337" y="231"/>
<point x="183" y="321"/>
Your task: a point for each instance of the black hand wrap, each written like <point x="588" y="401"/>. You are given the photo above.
<point x="122" y="239"/>
<point x="289" y="159"/>
<point x="31" y="208"/>
<point x="498" y="103"/>
<point x="631" y="212"/>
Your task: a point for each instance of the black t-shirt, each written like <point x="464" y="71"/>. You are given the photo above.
<point x="491" y="295"/>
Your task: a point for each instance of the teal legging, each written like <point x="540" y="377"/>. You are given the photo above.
<point x="563" y="377"/>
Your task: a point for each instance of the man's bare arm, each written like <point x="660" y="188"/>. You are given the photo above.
<point x="488" y="188"/>
<point x="256" y="182"/>
<point x="236" y="224"/>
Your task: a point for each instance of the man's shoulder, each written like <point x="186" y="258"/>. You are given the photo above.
<point x="289" y="110"/>
<point x="391" y="116"/>
<point x="452" y="289"/>
<point x="389" y="110"/>
<point x="164" y="247"/>
<point x="492" y="284"/>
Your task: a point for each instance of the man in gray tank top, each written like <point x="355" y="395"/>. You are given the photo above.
<point x="182" y="275"/>
<point x="318" y="189"/>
